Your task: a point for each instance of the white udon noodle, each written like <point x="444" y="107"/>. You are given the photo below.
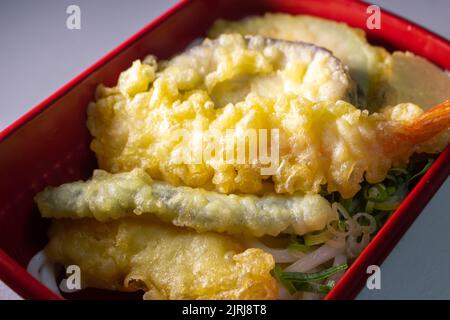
<point x="342" y="247"/>
<point x="44" y="270"/>
<point x="41" y="268"/>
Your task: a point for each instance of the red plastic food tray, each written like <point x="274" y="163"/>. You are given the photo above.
<point x="50" y="144"/>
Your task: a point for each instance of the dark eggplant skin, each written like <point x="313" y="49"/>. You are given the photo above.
<point x="353" y="93"/>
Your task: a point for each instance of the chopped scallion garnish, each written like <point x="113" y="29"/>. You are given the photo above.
<point x="313" y="276"/>
<point x="307" y="282"/>
<point x="424" y="170"/>
<point x="312" y="239"/>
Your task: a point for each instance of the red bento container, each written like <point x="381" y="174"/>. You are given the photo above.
<point x="50" y="144"/>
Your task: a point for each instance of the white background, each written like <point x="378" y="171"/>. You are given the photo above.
<point x="38" y="55"/>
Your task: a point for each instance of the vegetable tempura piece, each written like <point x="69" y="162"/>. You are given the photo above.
<point x="328" y="143"/>
<point x="164" y="261"/>
<point x="367" y="63"/>
<point x="232" y="66"/>
<point x="385" y="79"/>
<point x="414" y="79"/>
<point x="233" y="84"/>
<point x="111" y="196"/>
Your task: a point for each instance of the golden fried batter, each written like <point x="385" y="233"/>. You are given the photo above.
<point x="110" y="196"/>
<point x="333" y="144"/>
<point x="384" y="79"/>
<point x="414" y="79"/>
<point x="231" y="83"/>
<point x="367" y="63"/>
<point x="164" y="261"/>
<point x="330" y="142"/>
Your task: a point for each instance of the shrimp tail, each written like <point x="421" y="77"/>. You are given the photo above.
<point x="429" y="124"/>
<point x="401" y="140"/>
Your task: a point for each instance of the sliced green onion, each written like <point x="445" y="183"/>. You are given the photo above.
<point x="376" y="192"/>
<point x="369" y="206"/>
<point x="391" y="190"/>
<point x="382" y="217"/>
<point x="278" y="273"/>
<point x="378" y="199"/>
<point x="301" y="281"/>
<point x="424" y="169"/>
<point x="312" y="239"/>
<point x="342" y="226"/>
<point x="313" y="276"/>
<point x="346" y="203"/>
<point x="398" y="171"/>
<point x="386" y="206"/>
<point x="296" y="246"/>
